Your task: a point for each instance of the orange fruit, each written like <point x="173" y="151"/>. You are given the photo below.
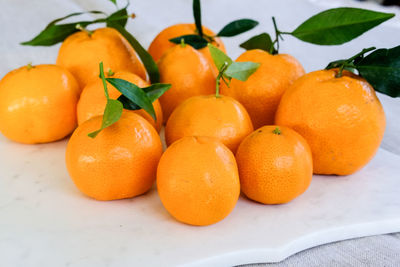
<point x="197" y="180"/>
<point x="262" y="91"/>
<point x="38" y="104"/>
<point x="275" y="165"/>
<point x="119" y="163"/>
<point x="93" y="100"/>
<point x="221" y="117"/>
<point x="81" y="54"/>
<point x="341" y="118"/>
<point x="189" y="73"/>
<point x="161" y="43"/>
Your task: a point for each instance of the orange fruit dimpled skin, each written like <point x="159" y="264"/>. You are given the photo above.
<point x="93" y="100"/>
<point x="161" y="43"/>
<point x="274" y="168"/>
<point x="119" y="163"/>
<point x="262" y="91"/>
<point x="189" y="73"/>
<point x="81" y="54"/>
<point x="221" y="117"/>
<point x="197" y="180"/>
<point x="341" y="118"/>
<point x="38" y="104"/>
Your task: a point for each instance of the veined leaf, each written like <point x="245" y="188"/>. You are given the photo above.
<point x="112" y="113"/>
<point x="156" y="90"/>
<point x="241" y="70"/>
<point x="262" y="41"/>
<point x="237" y="27"/>
<point x="120" y="17"/>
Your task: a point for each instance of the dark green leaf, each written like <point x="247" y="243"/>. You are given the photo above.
<point x="147" y="60"/>
<point x="237" y="27"/>
<point x="113" y="1"/>
<point x="262" y="41"/>
<point x="112" y="113"/>
<point x="133" y="93"/>
<point x="381" y="69"/>
<point x="197" y="16"/>
<point x="128" y="104"/>
<point x="339" y="25"/>
<point x="194" y="40"/>
<point x="241" y="70"/>
<point x="156" y="90"/>
<point x="219" y="57"/>
<point x="120" y="17"/>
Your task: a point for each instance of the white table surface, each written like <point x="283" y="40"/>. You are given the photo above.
<point x="20" y="20"/>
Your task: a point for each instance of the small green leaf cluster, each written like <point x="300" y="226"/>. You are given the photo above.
<point x="133" y="97"/>
<point x="201" y="39"/>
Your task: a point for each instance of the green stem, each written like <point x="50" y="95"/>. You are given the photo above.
<point x="79" y="27"/>
<point x="277" y="35"/>
<point x="350" y="62"/>
<point x="277" y="131"/>
<point x="220" y="75"/>
<point x="29" y="66"/>
<point x="183" y="43"/>
<point x="104" y="80"/>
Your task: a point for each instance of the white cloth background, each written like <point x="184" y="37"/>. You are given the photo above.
<point x="21" y="20"/>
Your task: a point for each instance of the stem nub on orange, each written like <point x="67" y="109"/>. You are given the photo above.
<point x="341" y="119"/>
<point x="197" y="180"/>
<point x="221" y="117"/>
<point x="275" y="165"/>
<point x="38" y="104"/>
<point x="261" y="92"/>
<point x="120" y="162"/>
<point x="81" y="54"/>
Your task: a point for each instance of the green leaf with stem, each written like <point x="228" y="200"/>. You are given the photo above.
<point x="262" y="41"/>
<point x="113" y="110"/>
<point x="134" y="93"/>
<point x="219" y="57"/>
<point x="237" y="27"/>
<point x="241" y="70"/>
<point x="197" y="16"/>
<point x="194" y="40"/>
<point x="339" y="25"/>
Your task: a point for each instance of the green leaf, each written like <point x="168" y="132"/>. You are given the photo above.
<point x="241" y="70"/>
<point x="113" y="1"/>
<point x="197" y="16"/>
<point x="134" y="94"/>
<point x="112" y="113"/>
<point x="119" y="17"/>
<point x="237" y="27"/>
<point x="262" y="41"/>
<point x="339" y="25"/>
<point x="219" y="57"/>
<point x="156" y="90"/>
<point x="145" y="57"/>
<point x="194" y="40"/>
<point x="381" y="69"/>
<point x="54" y="33"/>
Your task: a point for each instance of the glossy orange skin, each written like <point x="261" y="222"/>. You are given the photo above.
<point x="262" y="91"/>
<point x="119" y="163"/>
<point x="222" y="117"/>
<point x="93" y="101"/>
<point x="197" y="180"/>
<point x="274" y="169"/>
<point x="341" y="119"/>
<point x="189" y="73"/>
<point x="161" y="43"/>
<point x="81" y="54"/>
<point x="38" y="104"/>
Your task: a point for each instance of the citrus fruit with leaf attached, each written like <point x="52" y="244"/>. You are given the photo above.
<point x="38" y="104"/>
<point x="261" y="92"/>
<point x="120" y="162"/>
<point x="220" y="117"/>
<point x="162" y="43"/>
<point x="197" y="180"/>
<point x="82" y="51"/>
<point x="189" y="73"/>
<point x="275" y="165"/>
<point x="341" y="118"/>
<point x="93" y="100"/>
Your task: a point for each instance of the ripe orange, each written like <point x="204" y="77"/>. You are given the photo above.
<point x="341" y="118"/>
<point x="81" y="54"/>
<point x="262" y="91"/>
<point x="93" y="101"/>
<point x="221" y="117"/>
<point x="275" y="165"/>
<point x="120" y="162"/>
<point x="38" y="104"/>
<point x="161" y="43"/>
<point x="197" y="180"/>
<point x="189" y="73"/>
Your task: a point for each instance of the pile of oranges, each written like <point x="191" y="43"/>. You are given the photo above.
<point x="264" y="136"/>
